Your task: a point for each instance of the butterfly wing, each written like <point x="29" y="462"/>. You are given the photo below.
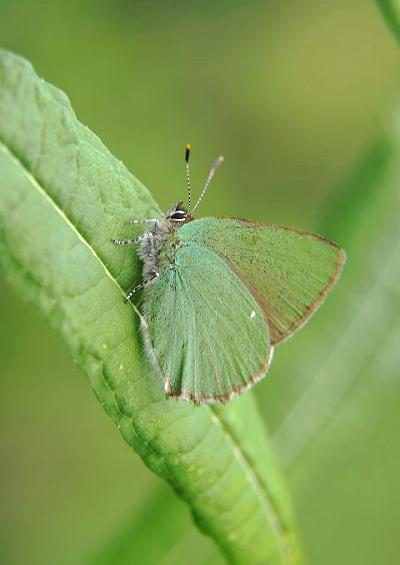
<point x="288" y="271"/>
<point x="205" y="329"/>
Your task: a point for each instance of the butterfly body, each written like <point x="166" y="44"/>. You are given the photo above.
<point x="158" y="245"/>
<point x="220" y="293"/>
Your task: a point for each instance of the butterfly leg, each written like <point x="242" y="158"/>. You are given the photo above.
<point x="132" y="292"/>
<point x="124" y="241"/>
<point x="140" y="286"/>
<point x="147" y="235"/>
<point x="144" y="221"/>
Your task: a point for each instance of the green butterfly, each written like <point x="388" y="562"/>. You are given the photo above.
<point x="220" y="293"/>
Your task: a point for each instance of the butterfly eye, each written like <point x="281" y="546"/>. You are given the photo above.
<point x="178" y="216"/>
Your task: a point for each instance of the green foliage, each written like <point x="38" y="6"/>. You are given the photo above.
<point x="391" y="11"/>
<point x="164" y="521"/>
<point x="63" y="196"/>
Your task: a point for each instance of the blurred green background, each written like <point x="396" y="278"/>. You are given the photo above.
<point x="296" y="96"/>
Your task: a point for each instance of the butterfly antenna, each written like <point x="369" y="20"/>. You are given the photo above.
<point x="188" y="147"/>
<point x="211" y="174"/>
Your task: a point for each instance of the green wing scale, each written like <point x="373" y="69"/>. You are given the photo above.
<point x="220" y="293"/>
<point x="233" y="290"/>
<point x="288" y="271"/>
<point x="205" y="330"/>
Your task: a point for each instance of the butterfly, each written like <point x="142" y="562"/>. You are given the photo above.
<point x="221" y="293"/>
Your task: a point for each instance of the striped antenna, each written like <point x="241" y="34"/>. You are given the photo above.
<point x="188" y="147"/>
<point x="212" y="172"/>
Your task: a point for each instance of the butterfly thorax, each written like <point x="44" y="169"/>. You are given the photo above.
<point x="160" y="243"/>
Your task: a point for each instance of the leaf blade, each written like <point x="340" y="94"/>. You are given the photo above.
<point x="59" y="184"/>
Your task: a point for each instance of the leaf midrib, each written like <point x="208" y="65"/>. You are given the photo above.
<point x="267" y="505"/>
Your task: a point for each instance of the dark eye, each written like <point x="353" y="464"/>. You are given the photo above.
<point x="178" y="215"/>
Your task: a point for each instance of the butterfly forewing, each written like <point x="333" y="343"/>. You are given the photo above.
<point x="205" y="329"/>
<point x="288" y="271"/>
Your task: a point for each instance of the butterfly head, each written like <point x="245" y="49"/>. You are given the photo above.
<point x="178" y="214"/>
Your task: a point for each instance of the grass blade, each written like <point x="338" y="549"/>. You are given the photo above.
<point x="391" y="12"/>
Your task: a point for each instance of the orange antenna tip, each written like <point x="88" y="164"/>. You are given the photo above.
<point x="187" y="152"/>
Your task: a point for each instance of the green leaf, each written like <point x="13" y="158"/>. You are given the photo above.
<point x="391" y="12"/>
<point x="63" y="197"/>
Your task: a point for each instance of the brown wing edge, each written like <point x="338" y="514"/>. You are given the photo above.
<point x="312" y="308"/>
<point x="197" y="400"/>
<point x="219" y="398"/>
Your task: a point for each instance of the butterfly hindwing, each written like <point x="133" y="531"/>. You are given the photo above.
<point x="205" y="329"/>
<point x="288" y="271"/>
